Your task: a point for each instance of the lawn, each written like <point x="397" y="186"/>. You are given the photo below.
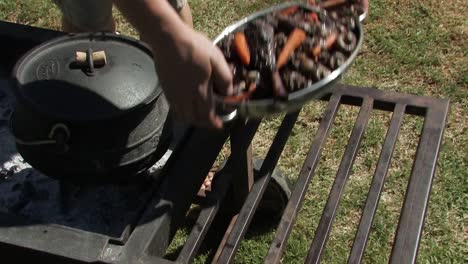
<point x="411" y="46"/>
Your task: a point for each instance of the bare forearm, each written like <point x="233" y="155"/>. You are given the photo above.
<point x="187" y="63"/>
<point x="155" y="19"/>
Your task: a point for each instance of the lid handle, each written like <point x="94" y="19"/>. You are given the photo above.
<point x="91" y="59"/>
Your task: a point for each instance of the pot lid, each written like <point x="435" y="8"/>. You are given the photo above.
<point x="87" y="76"/>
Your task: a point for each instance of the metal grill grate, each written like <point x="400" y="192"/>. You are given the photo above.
<point x="412" y="215"/>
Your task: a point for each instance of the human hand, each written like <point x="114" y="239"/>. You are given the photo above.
<point x="365" y="5"/>
<point x="190" y="67"/>
<point x="188" y="64"/>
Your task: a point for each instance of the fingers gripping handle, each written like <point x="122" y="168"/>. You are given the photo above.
<point x="226" y="113"/>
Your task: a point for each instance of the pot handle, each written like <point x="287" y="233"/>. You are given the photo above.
<point x="59" y="135"/>
<point x="90" y="60"/>
<point x="228" y="117"/>
<point x="224" y="112"/>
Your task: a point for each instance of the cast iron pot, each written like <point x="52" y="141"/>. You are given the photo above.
<point x="89" y="121"/>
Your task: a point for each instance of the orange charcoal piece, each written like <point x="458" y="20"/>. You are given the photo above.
<point x="332" y="3"/>
<point x="316" y="51"/>
<point x="290" y="10"/>
<point x="295" y="39"/>
<point x="234" y="99"/>
<point x="331" y="40"/>
<point x="242" y="48"/>
<point x="313" y="17"/>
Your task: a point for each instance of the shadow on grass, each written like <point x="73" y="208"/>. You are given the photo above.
<point x="264" y="222"/>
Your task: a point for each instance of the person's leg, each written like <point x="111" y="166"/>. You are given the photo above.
<point x="186" y="14"/>
<point x="86" y="15"/>
<point x="183" y="9"/>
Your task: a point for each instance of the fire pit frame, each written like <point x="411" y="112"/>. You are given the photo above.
<point x="147" y="242"/>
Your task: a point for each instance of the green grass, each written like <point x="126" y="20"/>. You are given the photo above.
<point x="416" y="47"/>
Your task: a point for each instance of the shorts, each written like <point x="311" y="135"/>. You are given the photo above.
<point x="95" y="15"/>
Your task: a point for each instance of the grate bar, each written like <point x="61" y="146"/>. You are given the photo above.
<point x="204" y="221"/>
<point x="300" y="190"/>
<point x="220" y="187"/>
<point x="386" y="100"/>
<point x="324" y="227"/>
<point x="159" y="223"/>
<point x="412" y="216"/>
<point x="201" y="227"/>
<point x="253" y="199"/>
<point x="357" y="252"/>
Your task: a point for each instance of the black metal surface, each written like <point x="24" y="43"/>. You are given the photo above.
<point x="110" y="151"/>
<point x="110" y="122"/>
<point x="148" y="240"/>
<point x="417" y="196"/>
<point x="377" y="184"/>
<point x="50" y="80"/>
<point x="411" y="223"/>
<point x="214" y="199"/>
<point x="326" y="222"/>
<point x="248" y="210"/>
<point x="184" y="174"/>
<point x="203" y="223"/>
<point x="299" y="192"/>
<point x="17" y="40"/>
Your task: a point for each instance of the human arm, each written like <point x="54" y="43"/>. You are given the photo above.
<point x="187" y="62"/>
<point x="365" y="5"/>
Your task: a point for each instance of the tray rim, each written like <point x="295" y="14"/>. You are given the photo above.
<point x="262" y="107"/>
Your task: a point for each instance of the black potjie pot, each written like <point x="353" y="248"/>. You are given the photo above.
<point x="89" y="108"/>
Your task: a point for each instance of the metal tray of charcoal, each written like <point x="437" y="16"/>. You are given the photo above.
<point x="266" y="99"/>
